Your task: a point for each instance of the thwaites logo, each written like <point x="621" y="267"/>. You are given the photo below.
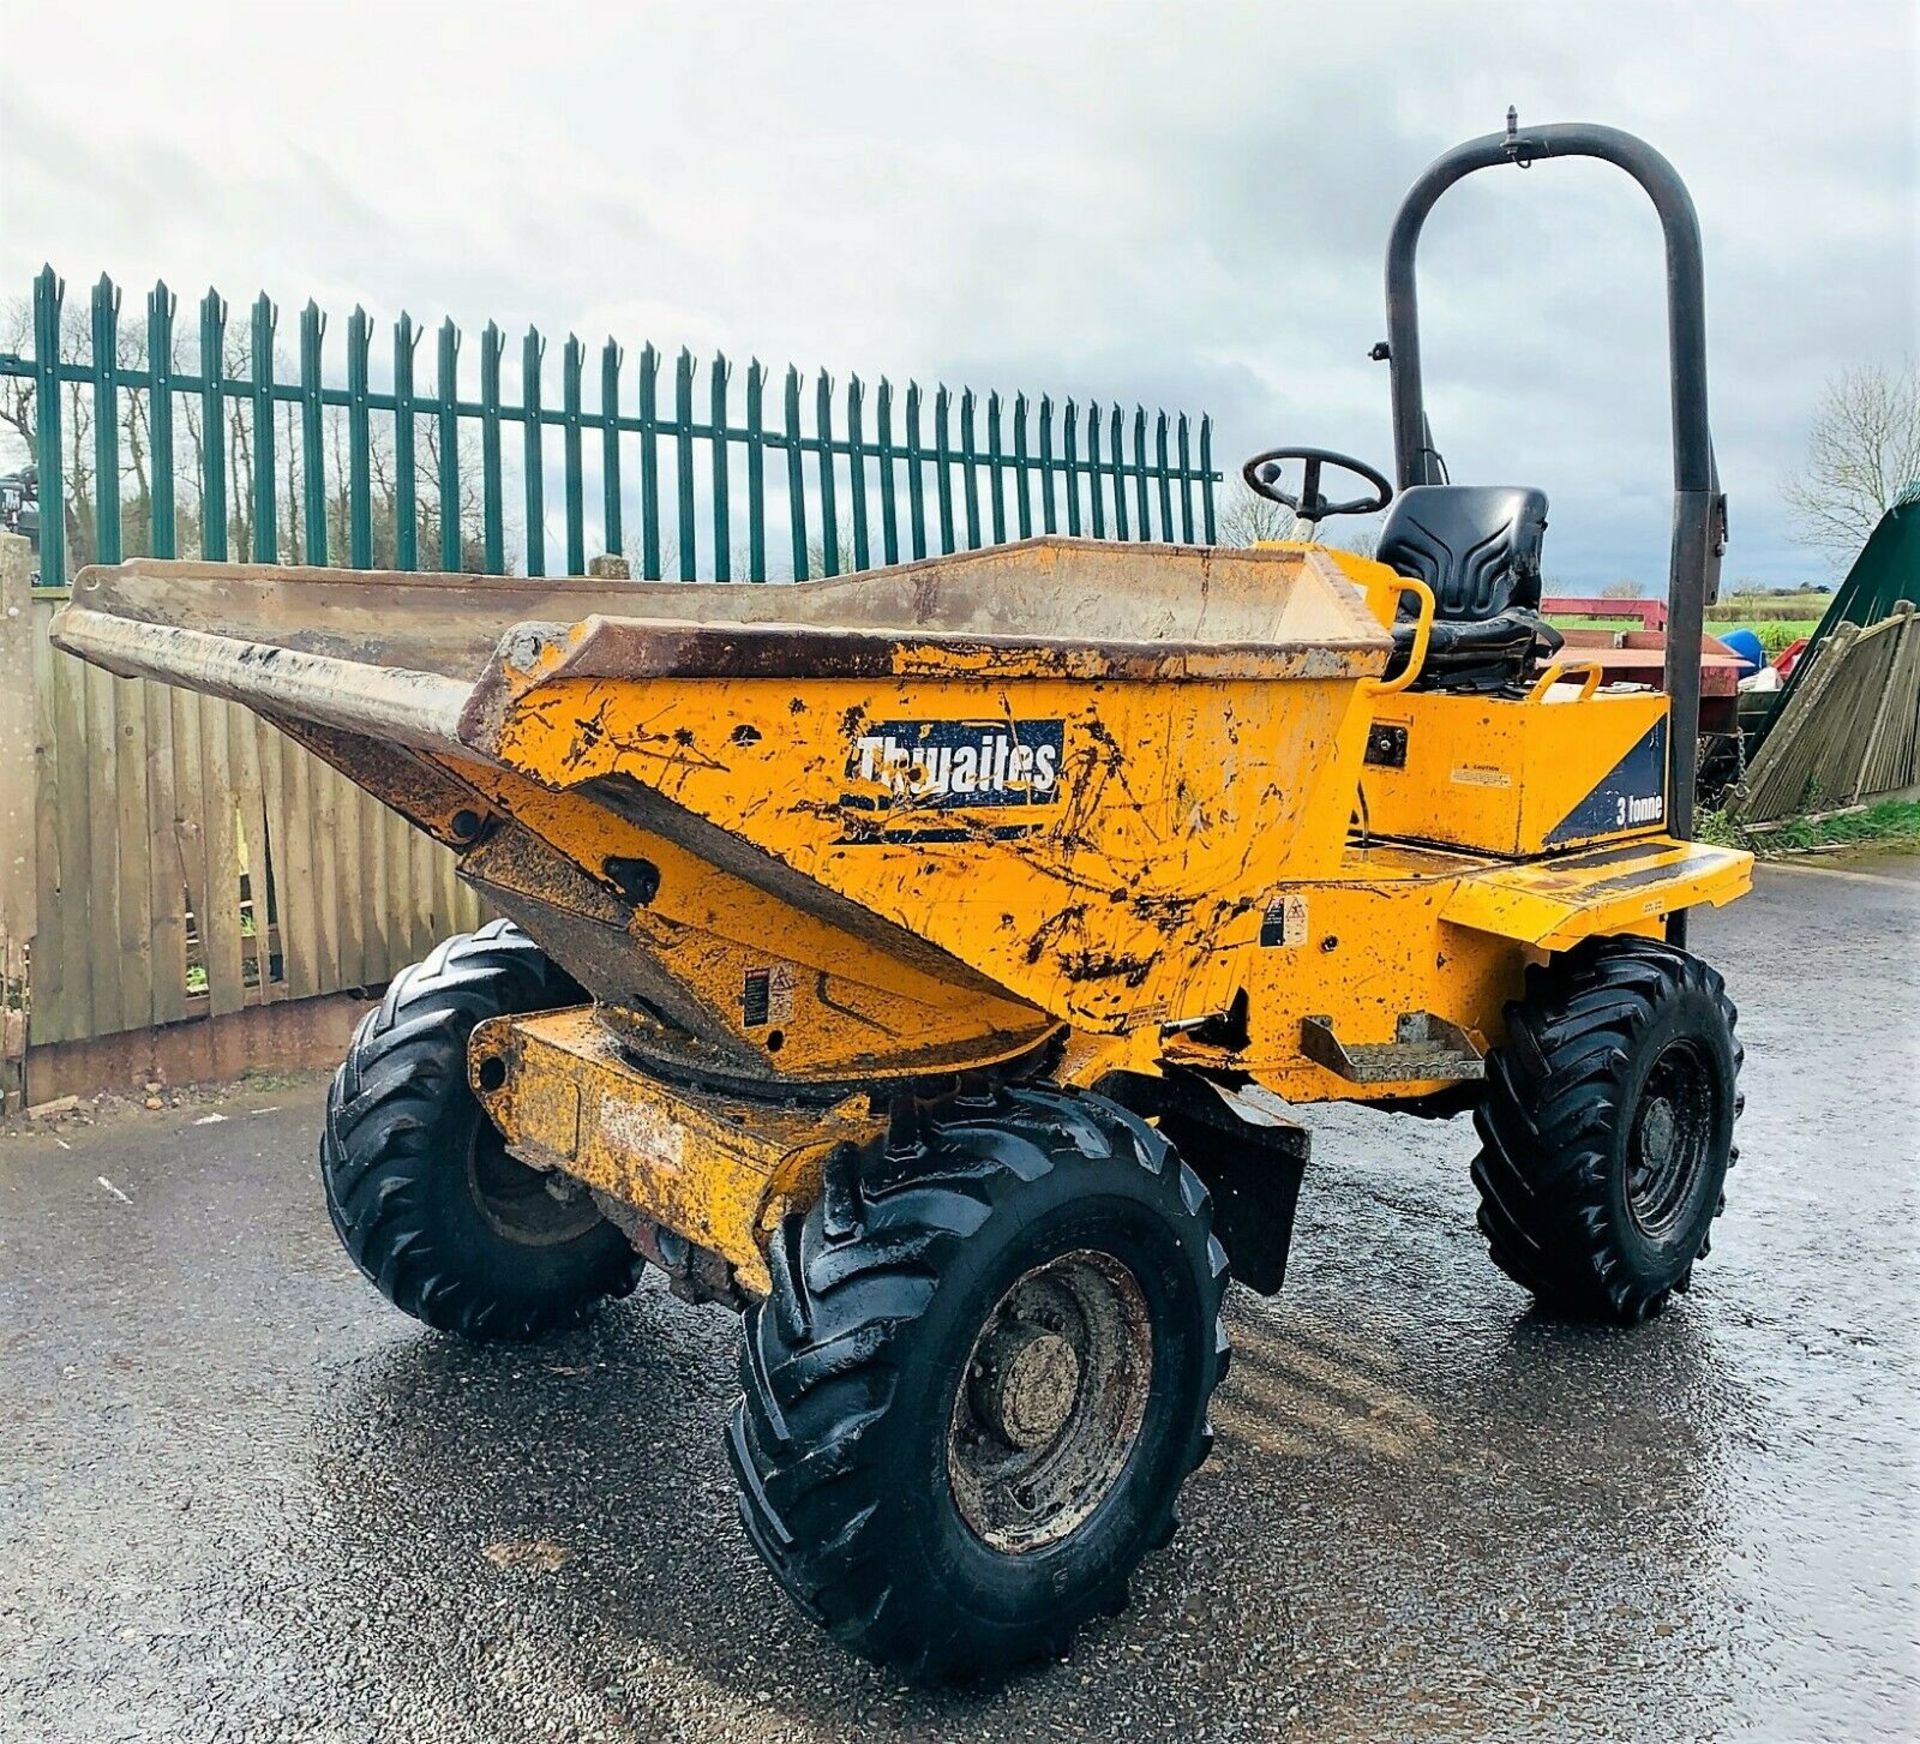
<point x="899" y="771"/>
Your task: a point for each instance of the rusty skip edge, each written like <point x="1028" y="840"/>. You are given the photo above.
<point x="421" y="709"/>
<point x="432" y="711"/>
<point x="533" y="655"/>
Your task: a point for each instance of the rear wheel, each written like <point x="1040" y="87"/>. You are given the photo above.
<point x="420" y="1186"/>
<point x="1607" y="1128"/>
<point x="979" y="1381"/>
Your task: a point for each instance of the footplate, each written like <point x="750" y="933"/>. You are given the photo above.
<point x="1425" y="1049"/>
<point x="718" y="1171"/>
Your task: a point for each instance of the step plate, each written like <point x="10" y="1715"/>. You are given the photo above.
<point x="1426" y="1049"/>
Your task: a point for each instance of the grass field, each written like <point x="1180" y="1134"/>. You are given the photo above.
<point x="1892" y="823"/>
<point x="1775" y="632"/>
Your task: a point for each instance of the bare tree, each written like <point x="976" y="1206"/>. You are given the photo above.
<point x="1362" y="540"/>
<point x="1246" y="518"/>
<point x="1862" y="452"/>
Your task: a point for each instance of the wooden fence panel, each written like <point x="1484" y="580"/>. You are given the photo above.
<point x="220" y="924"/>
<point x="187" y="711"/>
<point x="21" y="819"/>
<point x="181" y="859"/>
<point x="102" y="860"/>
<point x="166" y="879"/>
<point x="243" y="758"/>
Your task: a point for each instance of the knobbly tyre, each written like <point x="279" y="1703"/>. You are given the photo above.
<point x="926" y="963"/>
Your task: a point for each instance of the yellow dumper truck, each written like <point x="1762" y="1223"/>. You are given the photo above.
<point x="927" y="963"/>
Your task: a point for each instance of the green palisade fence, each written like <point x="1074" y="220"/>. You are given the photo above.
<point x="255" y="453"/>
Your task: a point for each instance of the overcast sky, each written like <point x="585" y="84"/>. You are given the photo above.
<point x="1184" y="205"/>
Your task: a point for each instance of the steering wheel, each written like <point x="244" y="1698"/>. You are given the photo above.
<point x="1263" y="469"/>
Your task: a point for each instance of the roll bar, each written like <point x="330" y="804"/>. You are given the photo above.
<point x="1699" y="510"/>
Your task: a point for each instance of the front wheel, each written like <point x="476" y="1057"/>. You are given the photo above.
<point x="979" y="1381"/>
<point x="1607" y="1128"/>
<point x="419" y="1184"/>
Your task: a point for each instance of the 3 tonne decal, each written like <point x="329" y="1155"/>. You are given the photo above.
<point x="1632" y="795"/>
<point x="898" y="771"/>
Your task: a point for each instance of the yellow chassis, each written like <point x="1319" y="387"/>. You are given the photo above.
<point x="815" y="848"/>
<point x="1403" y="929"/>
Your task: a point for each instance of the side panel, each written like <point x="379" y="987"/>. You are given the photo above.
<point x="1411" y="935"/>
<point x="1092" y="848"/>
<point x="1503" y="776"/>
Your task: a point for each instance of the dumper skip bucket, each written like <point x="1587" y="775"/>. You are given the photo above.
<point x="1054" y="773"/>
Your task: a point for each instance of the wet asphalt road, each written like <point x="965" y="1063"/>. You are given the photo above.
<point x="242" y="1498"/>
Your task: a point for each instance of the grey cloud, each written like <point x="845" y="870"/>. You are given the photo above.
<point x="1178" y="205"/>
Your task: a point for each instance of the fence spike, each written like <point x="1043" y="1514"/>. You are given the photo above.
<point x="683" y="460"/>
<point x="611" y="530"/>
<point x="650" y="463"/>
<point x="1116" y="445"/>
<point x="573" y="363"/>
<point x="996" y="470"/>
<point x="1186" y="481"/>
<point x="447" y="461"/>
<point x="313" y="464"/>
<point x="1046" y="465"/>
<point x="533" y="353"/>
<point x="359" y="441"/>
<point x="406" y="477"/>
<point x="493" y="346"/>
<point x="722" y="478"/>
<point x="829" y="507"/>
<point x="266" y="508"/>
<point x="857" y="472"/>
<point x="796" y="477"/>
<point x="916" y="482"/>
<point x="49" y="292"/>
<point x="106" y="421"/>
<point x="756" y="471"/>
<point x="163" y="537"/>
<point x="1023" y="496"/>
<point x="1206" y="478"/>
<point x="889" y="507"/>
<point x="943" y="454"/>
<point x="969" y="474"/>
<point x="1070" y="463"/>
<point x="1160" y="474"/>
<point x="213" y="424"/>
<point x="1143" y="518"/>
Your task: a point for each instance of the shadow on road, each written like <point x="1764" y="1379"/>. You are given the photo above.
<point x="564" y="1514"/>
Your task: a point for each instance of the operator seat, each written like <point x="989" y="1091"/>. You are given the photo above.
<point x="1478" y="548"/>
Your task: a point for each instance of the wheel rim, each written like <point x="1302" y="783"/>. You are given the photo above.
<point x="534" y="1207"/>
<point x="1051" y="1402"/>
<point x="1670" y="1139"/>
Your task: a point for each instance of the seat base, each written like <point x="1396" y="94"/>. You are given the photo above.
<point x="1484" y="654"/>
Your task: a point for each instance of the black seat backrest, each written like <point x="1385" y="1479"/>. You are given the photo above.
<point x="1476" y="545"/>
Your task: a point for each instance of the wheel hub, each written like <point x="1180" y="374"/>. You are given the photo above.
<point x="1669" y="1140"/>
<point x="533" y="1207"/>
<point x="1052" y="1401"/>
<point x="1025" y="1382"/>
<point x="1657" y="1131"/>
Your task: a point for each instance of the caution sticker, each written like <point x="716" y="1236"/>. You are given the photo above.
<point x="767" y="996"/>
<point x="1284" y="924"/>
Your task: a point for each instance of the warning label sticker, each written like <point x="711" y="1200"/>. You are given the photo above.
<point x="1284" y="924"/>
<point x="767" y="996"/>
